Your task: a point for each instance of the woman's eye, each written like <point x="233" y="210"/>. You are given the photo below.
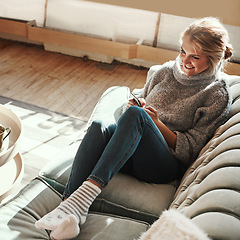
<point x="181" y="50"/>
<point x="196" y="58"/>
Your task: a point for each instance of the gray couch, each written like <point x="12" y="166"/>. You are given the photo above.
<point x="209" y="193"/>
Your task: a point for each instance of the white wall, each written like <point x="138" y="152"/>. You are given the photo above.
<point x="101" y="20"/>
<point x="23" y="10"/>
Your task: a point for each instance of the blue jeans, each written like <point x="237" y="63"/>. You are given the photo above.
<point x="134" y="146"/>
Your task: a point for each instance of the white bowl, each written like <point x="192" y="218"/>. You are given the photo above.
<point x="11" y="175"/>
<point x="10" y="119"/>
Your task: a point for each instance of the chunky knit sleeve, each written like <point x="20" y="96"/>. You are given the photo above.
<point x="208" y="117"/>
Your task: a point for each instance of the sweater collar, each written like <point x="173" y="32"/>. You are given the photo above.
<point x="204" y="78"/>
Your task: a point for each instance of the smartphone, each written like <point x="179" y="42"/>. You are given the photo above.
<point x="136" y="100"/>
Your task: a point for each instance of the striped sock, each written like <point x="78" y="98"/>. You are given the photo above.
<point x="64" y="220"/>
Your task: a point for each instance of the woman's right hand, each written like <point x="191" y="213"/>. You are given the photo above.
<point x="132" y="102"/>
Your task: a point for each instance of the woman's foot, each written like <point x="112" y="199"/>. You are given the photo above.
<point x="69" y="228"/>
<point x="64" y="220"/>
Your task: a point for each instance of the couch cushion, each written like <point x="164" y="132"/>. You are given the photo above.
<point x="210" y="190"/>
<point x="127" y="196"/>
<point x="56" y="172"/>
<point x="110" y="227"/>
<point x="17" y="217"/>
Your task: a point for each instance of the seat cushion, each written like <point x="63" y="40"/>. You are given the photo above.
<point x="127" y="196"/>
<point x="18" y="216"/>
<point x="109" y="227"/>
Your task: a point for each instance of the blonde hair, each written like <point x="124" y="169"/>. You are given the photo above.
<point x="211" y="38"/>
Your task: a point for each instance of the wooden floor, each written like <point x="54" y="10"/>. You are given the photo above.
<point x="59" y="82"/>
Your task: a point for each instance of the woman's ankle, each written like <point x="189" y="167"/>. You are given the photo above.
<point x="95" y="183"/>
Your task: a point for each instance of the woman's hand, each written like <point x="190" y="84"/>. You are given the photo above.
<point x="170" y="137"/>
<point x="132" y="102"/>
<point x="152" y="112"/>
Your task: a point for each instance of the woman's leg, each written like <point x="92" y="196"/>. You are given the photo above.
<point x="88" y="154"/>
<point x="64" y="220"/>
<point x="137" y="139"/>
<point x="96" y="153"/>
<point x="153" y="161"/>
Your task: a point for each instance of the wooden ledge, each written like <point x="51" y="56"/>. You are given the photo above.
<point x="14" y="27"/>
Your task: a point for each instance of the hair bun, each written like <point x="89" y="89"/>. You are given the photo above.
<point x="228" y="52"/>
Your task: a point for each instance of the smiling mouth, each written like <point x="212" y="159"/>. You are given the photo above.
<point x="187" y="67"/>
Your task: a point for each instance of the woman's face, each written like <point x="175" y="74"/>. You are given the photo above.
<point x="193" y="61"/>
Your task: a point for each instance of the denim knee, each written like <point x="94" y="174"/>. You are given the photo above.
<point x="133" y="114"/>
<point x="99" y="125"/>
<point x="102" y="127"/>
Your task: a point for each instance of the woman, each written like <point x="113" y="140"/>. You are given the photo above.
<point x="184" y="101"/>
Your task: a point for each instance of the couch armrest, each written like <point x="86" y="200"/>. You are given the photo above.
<point x="110" y="105"/>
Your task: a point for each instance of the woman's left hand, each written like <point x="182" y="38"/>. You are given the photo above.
<point x="152" y="112"/>
<point x="170" y="137"/>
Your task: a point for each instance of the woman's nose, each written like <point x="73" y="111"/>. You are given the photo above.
<point x="186" y="60"/>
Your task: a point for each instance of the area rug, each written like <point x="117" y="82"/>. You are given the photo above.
<point x="45" y="134"/>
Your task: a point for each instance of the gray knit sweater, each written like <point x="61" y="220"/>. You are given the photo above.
<point x="192" y="107"/>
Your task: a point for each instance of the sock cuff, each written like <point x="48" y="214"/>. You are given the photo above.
<point x="92" y="186"/>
